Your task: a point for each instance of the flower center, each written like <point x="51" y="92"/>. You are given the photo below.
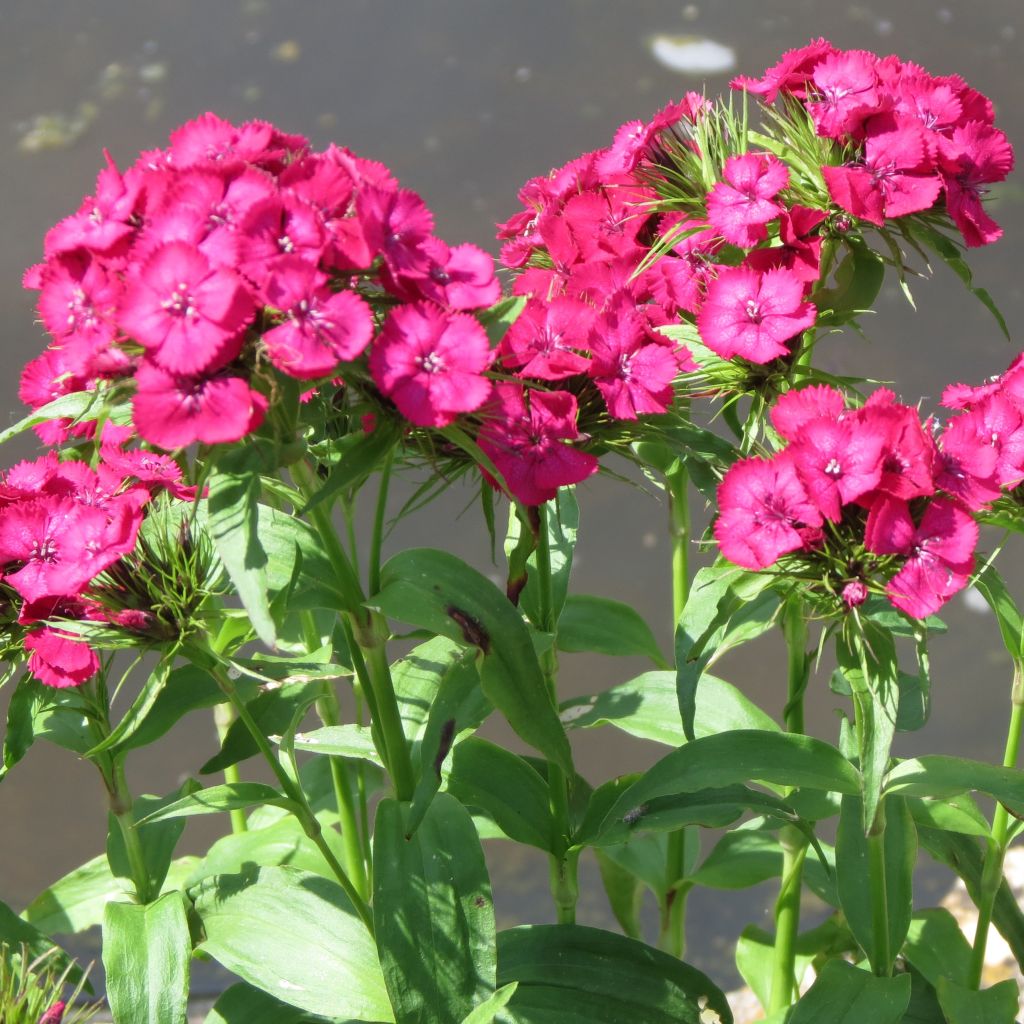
<point x="181" y="303"/>
<point x="753" y="311"/>
<point x="432" y="362"/>
<point x="833" y="469"/>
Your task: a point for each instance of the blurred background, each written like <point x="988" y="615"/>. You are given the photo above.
<point x="465" y="100"/>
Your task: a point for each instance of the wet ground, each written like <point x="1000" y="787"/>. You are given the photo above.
<point x="464" y="100"/>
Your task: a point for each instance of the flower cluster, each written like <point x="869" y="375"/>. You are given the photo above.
<point x="238" y="246"/>
<point x="62" y="524"/>
<point x="872" y="491"/>
<point x="905" y="137"/>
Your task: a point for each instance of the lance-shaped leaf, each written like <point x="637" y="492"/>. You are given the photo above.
<point x="230" y="796"/>
<point x="569" y="974"/>
<point x="844" y="994"/>
<point x="963" y="1005"/>
<point x="433" y="913"/>
<point x="294" y="935"/>
<point x="15" y="932"/>
<point x="603" y="626"/>
<point x="441" y="593"/>
<point x="146" y="955"/>
<point x="936" y="775"/>
<point x="243" y="1004"/>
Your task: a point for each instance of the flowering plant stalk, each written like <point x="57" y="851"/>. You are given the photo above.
<point x="251" y="338"/>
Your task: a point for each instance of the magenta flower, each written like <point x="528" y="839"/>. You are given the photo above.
<point x="546" y="339"/>
<point x="187" y="314"/>
<point x="800" y="250"/>
<point x="397" y="224"/>
<point x="845" y="85"/>
<point x="171" y="410"/>
<point x="790" y="75"/>
<point x="278" y="227"/>
<point x="908" y="453"/>
<point x="321" y="328"/>
<point x="940" y="552"/>
<point x="459" y="278"/>
<point x="753" y="315"/>
<point x="764" y="511"/>
<point x="795" y="409"/>
<point x="742" y="205"/>
<point x="61" y="660"/>
<point x="976" y="156"/>
<point x="527" y="445"/>
<point x="966" y="464"/>
<point x="431" y="363"/>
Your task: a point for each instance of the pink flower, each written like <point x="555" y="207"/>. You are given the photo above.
<point x="742" y="205"/>
<point x="800" y="250"/>
<point x="633" y="373"/>
<point x="546" y="338"/>
<point x="633" y="140"/>
<point x="976" y="155"/>
<point x="278" y="227"/>
<point x="791" y="74"/>
<point x="908" y="453"/>
<point x="321" y="328"/>
<point x="431" y="363"/>
<point x="186" y="313"/>
<point x="527" y="445"/>
<point x="940" y="552"/>
<point x="61" y="660"/>
<point x="397" y="224"/>
<point x="457" y="278"/>
<point x="854" y="593"/>
<point x="55" y="1014"/>
<point x="753" y="315"/>
<point x="847" y="86"/>
<point x="171" y="411"/>
<point x="764" y="511"/>
<point x="795" y="409"/>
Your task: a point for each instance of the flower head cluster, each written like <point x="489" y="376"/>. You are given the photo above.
<point x="240" y="246"/>
<point x="871" y="492"/>
<point x="906" y="137"/>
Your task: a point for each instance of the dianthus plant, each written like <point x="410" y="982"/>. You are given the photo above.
<point x="250" y="340"/>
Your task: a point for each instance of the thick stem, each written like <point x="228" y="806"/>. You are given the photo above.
<point x="794" y="846"/>
<point x="879" y="894"/>
<point x="223" y="716"/>
<point x="992" y="872"/>
<point x="564" y="883"/>
<point x="121" y="808"/>
<point x="379" y="517"/>
<point x="300" y="806"/>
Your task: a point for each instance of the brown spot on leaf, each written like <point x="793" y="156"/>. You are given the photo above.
<point x="472" y="631"/>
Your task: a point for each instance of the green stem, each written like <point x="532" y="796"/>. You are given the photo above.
<point x="672" y="937"/>
<point x="563" y="861"/>
<point x="223" y="716"/>
<point x="121" y="808"/>
<point x="300" y="805"/>
<point x="379" y="516"/>
<point x="879" y="894"/>
<point x="992" y="872"/>
<point x="794" y="846"/>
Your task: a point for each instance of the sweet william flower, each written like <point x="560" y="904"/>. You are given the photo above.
<point x="754" y="315"/>
<point x="60" y="660"/>
<point x="790" y="75"/>
<point x="431" y="363"/>
<point x="546" y="339"/>
<point x="845" y="85"/>
<point x="975" y="156"/>
<point x="186" y="313"/>
<point x="743" y="204"/>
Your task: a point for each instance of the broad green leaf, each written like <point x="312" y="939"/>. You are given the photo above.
<point x="273" y="711"/>
<point x="737" y="757"/>
<point x="15" y="932"/>
<point x="624" y="891"/>
<point x="21" y="712"/>
<point x="995" y="1005"/>
<point x="497" y="319"/>
<point x="937" y="947"/>
<point x="157" y="839"/>
<point x="72" y="407"/>
<point x="952" y="814"/>
<point x="647" y="707"/>
<point x="228" y="796"/>
<point x="993" y="588"/>
<point x="937" y="775"/>
<point x="604" y="626"/>
<point x="644" y="858"/>
<point x="486" y="1011"/>
<point x="352" y="741"/>
<point x="146" y="955"/>
<point x="856" y="880"/>
<point x="844" y="994"/>
<point x="437" y="591"/>
<point x="458" y="707"/>
<point x="726" y="608"/>
<point x="243" y="1004"/>
<point x="139" y="708"/>
<point x="569" y="974"/>
<point x="505" y="788"/>
<point x="433" y="913"/>
<point x="739" y="860"/>
<point x="417" y="678"/>
<point x="75" y="902"/>
<point x="858" y="279"/>
<point x="293" y="935"/>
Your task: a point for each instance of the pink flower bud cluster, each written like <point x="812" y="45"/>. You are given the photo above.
<point x="62" y="523"/>
<point x="914" y="137"/>
<point x="852" y="483"/>
<point x="239" y="245"/>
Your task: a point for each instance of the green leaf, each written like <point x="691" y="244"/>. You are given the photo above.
<point x="433" y="913"/>
<point x="844" y="994"/>
<point x="139" y="708"/>
<point x="157" y="839"/>
<point x="243" y="1004"/>
<point x="856" y="881"/>
<point x="228" y="796"/>
<point x="603" y="626"/>
<point x="505" y="788"/>
<point x="352" y="741"/>
<point x="146" y="954"/>
<point x="858" y="280"/>
<point x="647" y="707"/>
<point x="726" y="608"/>
<point x="624" y="891"/>
<point x="72" y="407"/>
<point x="739" y="860"/>
<point x="742" y="756"/>
<point x="273" y="711"/>
<point x="995" y="1005"/>
<point x="497" y="319"/>
<point x="293" y="935"/>
<point x="15" y="932"/>
<point x="21" y="714"/>
<point x="937" y="775"/>
<point x="486" y="1011"/>
<point x="993" y="588"/>
<point x="937" y="947"/>
<point x="569" y="974"/>
<point x="439" y="592"/>
<point x="952" y="814"/>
